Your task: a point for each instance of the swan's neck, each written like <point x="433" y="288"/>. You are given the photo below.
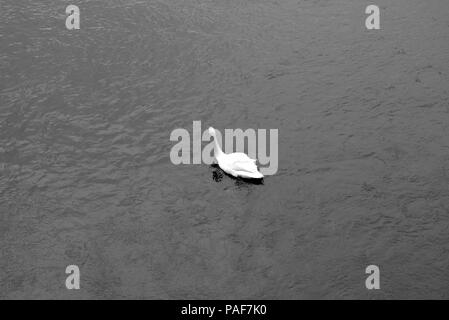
<point x="218" y="151"/>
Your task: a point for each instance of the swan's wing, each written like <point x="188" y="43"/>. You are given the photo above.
<point x="251" y="175"/>
<point x="248" y="166"/>
<point x="240" y="156"/>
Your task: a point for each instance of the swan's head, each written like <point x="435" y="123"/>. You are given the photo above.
<point x="212" y="131"/>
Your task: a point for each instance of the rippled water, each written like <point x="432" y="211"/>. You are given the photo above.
<point x="85" y="174"/>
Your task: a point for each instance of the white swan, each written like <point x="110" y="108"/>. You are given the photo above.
<point x="236" y="164"/>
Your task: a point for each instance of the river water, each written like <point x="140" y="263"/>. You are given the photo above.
<point x="86" y="177"/>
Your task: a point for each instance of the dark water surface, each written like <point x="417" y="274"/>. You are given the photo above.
<point x="85" y="174"/>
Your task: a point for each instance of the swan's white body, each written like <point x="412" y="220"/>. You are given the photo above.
<point x="236" y="164"/>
